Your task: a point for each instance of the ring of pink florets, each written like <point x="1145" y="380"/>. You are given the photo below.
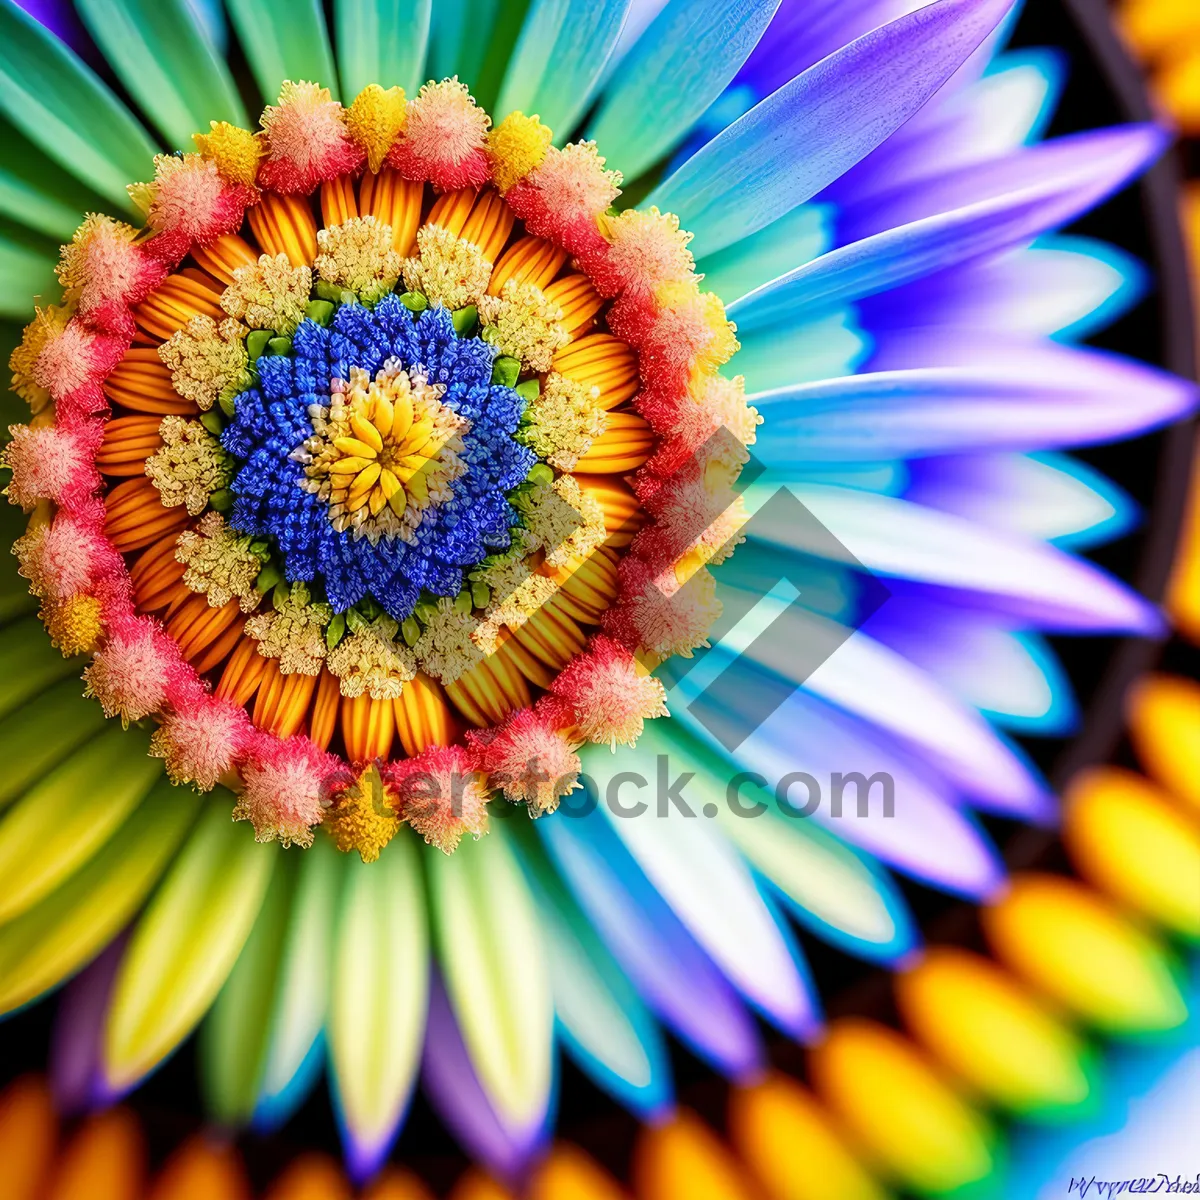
<point x="138" y="671"/>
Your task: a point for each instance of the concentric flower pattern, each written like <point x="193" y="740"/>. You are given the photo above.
<point x="395" y="448"/>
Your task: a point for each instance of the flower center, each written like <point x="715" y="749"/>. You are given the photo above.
<point x="383" y="450"/>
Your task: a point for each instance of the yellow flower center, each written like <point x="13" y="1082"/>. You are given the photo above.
<point x="384" y="450"/>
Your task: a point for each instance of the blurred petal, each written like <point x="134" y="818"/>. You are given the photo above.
<point x="162" y="53"/>
<point x="489" y="943"/>
<point x="382" y="41"/>
<point x="379" y="1000"/>
<point x="62" y="106"/>
<point x="673" y="975"/>
<point x="184" y="945"/>
<point x="559" y="59"/>
<point x="284" y="42"/>
<point x="1068" y="177"/>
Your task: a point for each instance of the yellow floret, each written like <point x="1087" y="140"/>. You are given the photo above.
<point x="524" y="325"/>
<point x="269" y="294"/>
<point x="375" y="120"/>
<point x="364" y="817"/>
<point x="47" y="324"/>
<point x="517" y="146"/>
<point x="448" y="269"/>
<point x="234" y="151"/>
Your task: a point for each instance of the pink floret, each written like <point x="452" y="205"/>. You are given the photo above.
<point x="131" y="672"/>
<point x="50" y="463"/>
<point x="201" y="743"/>
<point x="527" y="759"/>
<point x="442" y="795"/>
<point x="444" y="139"/>
<point x="285" y="788"/>
<point x="307" y="141"/>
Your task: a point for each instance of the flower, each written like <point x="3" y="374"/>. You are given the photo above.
<point x="428" y="615"/>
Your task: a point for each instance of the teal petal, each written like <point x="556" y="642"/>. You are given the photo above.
<point x="28" y="276"/>
<point x="284" y="41"/>
<point x="493" y="958"/>
<point x="676" y="69"/>
<point x="380" y="996"/>
<point x="606" y="1027"/>
<point x="559" y="60"/>
<point x="382" y="41"/>
<point x="38" y="193"/>
<point x="62" y="106"/>
<point x="164" y="56"/>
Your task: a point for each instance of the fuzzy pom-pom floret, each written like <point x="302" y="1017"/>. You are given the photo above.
<point x="445" y="138"/>
<point x="307" y="140"/>
<point x="442" y="795"/>
<point x="201" y="743"/>
<point x="528" y="759"/>
<point x="285" y="789"/>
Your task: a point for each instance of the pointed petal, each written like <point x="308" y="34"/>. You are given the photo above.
<point x="559" y="59"/>
<point x="644" y="935"/>
<point x="1042" y="396"/>
<point x="63" y="931"/>
<point x="1064" y="178"/>
<point x="379" y="1000"/>
<point x="928" y="836"/>
<point x="185" y="944"/>
<point x="234" y="1033"/>
<point x="60" y="104"/>
<point x="28" y="276"/>
<point x="64" y="819"/>
<point x="805" y="135"/>
<point x="474" y="40"/>
<point x="1047" y="496"/>
<point x="493" y="959"/>
<point x="674" y="71"/>
<point x="43" y="732"/>
<point x="284" y="42"/>
<point x="1026" y="578"/>
<point x="607" y="1029"/>
<point x="165" y="58"/>
<point x="29" y="664"/>
<point x="292" y="1063"/>
<point x="382" y="41"/>
<point x="699" y="874"/>
<point x="449" y="1080"/>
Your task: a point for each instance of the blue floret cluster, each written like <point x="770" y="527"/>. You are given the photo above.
<point x="271" y="420"/>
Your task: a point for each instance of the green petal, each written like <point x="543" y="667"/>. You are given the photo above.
<point x="302" y="991"/>
<point x="490" y="945"/>
<point x="63" y="106"/>
<point x="28" y="276"/>
<point x="233" y="1037"/>
<point x="185" y="944"/>
<point x="61" y="823"/>
<point x="43" y="732"/>
<point x="61" y="933"/>
<point x="163" y="55"/>
<point x="559" y="59"/>
<point x="380" y="992"/>
<point x="284" y="41"/>
<point x="382" y="41"/>
<point x="29" y="664"/>
<point x="474" y="40"/>
<point x="37" y="192"/>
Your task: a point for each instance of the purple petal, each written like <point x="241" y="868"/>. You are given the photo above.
<point x="644" y="935"/>
<point x="454" y="1090"/>
<point x="1057" y="181"/>
<point x="800" y="139"/>
<point x="78" y="1027"/>
<point x="949" y="391"/>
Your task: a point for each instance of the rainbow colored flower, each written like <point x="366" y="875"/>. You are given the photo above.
<point x="376" y="471"/>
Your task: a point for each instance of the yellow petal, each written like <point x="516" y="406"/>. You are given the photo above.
<point x="185" y="944"/>
<point x="398" y="501"/>
<point x="377" y="502"/>
<point x="383" y="415"/>
<point x="72" y="924"/>
<point x="354" y="447"/>
<point x="64" y="820"/>
<point x="349" y="466"/>
<point x="366" y="432"/>
<point x="364" y="481"/>
<point x="403" y="418"/>
<point x="389" y="484"/>
<point x="418" y="487"/>
<point x="418" y="435"/>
